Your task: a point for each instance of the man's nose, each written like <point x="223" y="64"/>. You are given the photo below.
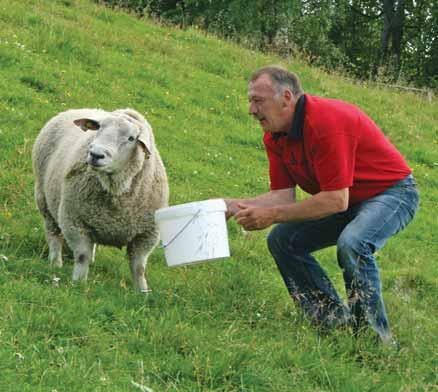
<point x="252" y="109"/>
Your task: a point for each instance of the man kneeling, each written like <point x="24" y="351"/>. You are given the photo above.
<point x="362" y="192"/>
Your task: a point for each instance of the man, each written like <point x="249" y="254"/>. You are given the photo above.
<point x="362" y="192"/>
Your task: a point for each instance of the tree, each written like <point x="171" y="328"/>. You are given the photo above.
<point x="392" y="32"/>
<point x="396" y="39"/>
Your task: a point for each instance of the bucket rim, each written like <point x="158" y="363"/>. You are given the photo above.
<point x="188" y="209"/>
<point x="186" y="263"/>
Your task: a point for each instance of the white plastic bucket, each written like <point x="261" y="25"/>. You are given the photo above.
<point x="193" y="232"/>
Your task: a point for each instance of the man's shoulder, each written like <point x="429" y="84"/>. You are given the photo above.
<point x="316" y="104"/>
<point x="325" y="115"/>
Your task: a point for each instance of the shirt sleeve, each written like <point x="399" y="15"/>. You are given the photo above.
<point x="334" y="159"/>
<point x="278" y="174"/>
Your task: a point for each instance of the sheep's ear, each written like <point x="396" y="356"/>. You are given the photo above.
<point x="86" y="124"/>
<point x="136" y="118"/>
<point x="145" y="138"/>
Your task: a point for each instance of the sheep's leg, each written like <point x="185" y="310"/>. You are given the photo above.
<point x="53" y="232"/>
<point x="78" y="241"/>
<point x="83" y="254"/>
<point x="55" y="248"/>
<point x="138" y="253"/>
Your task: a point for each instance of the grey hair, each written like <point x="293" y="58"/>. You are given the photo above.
<point x="281" y="79"/>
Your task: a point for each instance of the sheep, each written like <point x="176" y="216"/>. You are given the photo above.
<point x="98" y="180"/>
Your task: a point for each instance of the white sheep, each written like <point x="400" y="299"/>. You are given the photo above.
<point x="99" y="180"/>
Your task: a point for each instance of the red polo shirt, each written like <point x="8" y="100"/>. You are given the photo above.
<point x="333" y="145"/>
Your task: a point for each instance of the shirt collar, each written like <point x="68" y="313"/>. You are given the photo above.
<point x="296" y="131"/>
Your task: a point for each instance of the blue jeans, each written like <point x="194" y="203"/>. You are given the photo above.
<point x="357" y="233"/>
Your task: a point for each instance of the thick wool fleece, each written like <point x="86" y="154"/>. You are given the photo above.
<point x="75" y="200"/>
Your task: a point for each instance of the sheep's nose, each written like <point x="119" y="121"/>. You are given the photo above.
<point x="96" y="156"/>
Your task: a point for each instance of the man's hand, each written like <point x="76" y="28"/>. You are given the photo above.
<point x="254" y="218"/>
<point x="232" y="207"/>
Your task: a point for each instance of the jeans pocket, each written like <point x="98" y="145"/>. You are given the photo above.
<point x="412" y="199"/>
<point x="409" y="205"/>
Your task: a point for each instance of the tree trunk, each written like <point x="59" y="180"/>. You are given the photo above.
<point x="397" y="36"/>
<point x="392" y="31"/>
<point x="386" y="31"/>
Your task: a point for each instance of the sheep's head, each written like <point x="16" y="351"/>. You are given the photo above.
<point x="118" y="138"/>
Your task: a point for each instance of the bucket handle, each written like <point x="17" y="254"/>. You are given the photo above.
<point x="179" y="232"/>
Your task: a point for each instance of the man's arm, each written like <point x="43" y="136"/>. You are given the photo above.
<point x="269" y="199"/>
<point x="316" y="207"/>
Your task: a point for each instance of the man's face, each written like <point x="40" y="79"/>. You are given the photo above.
<point x="270" y="110"/>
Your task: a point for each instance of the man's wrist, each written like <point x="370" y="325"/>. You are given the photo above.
<point x="275" y="213"/>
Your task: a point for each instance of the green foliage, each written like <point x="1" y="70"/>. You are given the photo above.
<point x="222" y="326"/>
<point x="339" y="35"/>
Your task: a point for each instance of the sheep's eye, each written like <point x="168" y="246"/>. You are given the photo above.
<point x="131" y="138"/>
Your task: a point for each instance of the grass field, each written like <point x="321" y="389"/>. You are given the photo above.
<point x="222" y="326"/>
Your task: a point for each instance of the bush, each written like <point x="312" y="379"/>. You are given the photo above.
<point x="331" y="34"/>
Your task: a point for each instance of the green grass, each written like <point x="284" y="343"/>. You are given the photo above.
<point x="222" y="326"/>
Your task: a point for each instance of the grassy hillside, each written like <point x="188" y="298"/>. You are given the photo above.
<point x="222" y="326"/>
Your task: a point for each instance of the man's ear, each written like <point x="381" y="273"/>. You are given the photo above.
<point x="86" y="124"/>
<point x="288" y="97"/>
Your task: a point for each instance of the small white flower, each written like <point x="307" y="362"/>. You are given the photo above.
<point x="55" y="281"/>
<point x="19" y="356"/>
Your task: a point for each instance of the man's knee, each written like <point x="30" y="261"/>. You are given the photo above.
<point x="351" y="248"/>
<point x="348" y="243"/>
<point x="281" y="239"/>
